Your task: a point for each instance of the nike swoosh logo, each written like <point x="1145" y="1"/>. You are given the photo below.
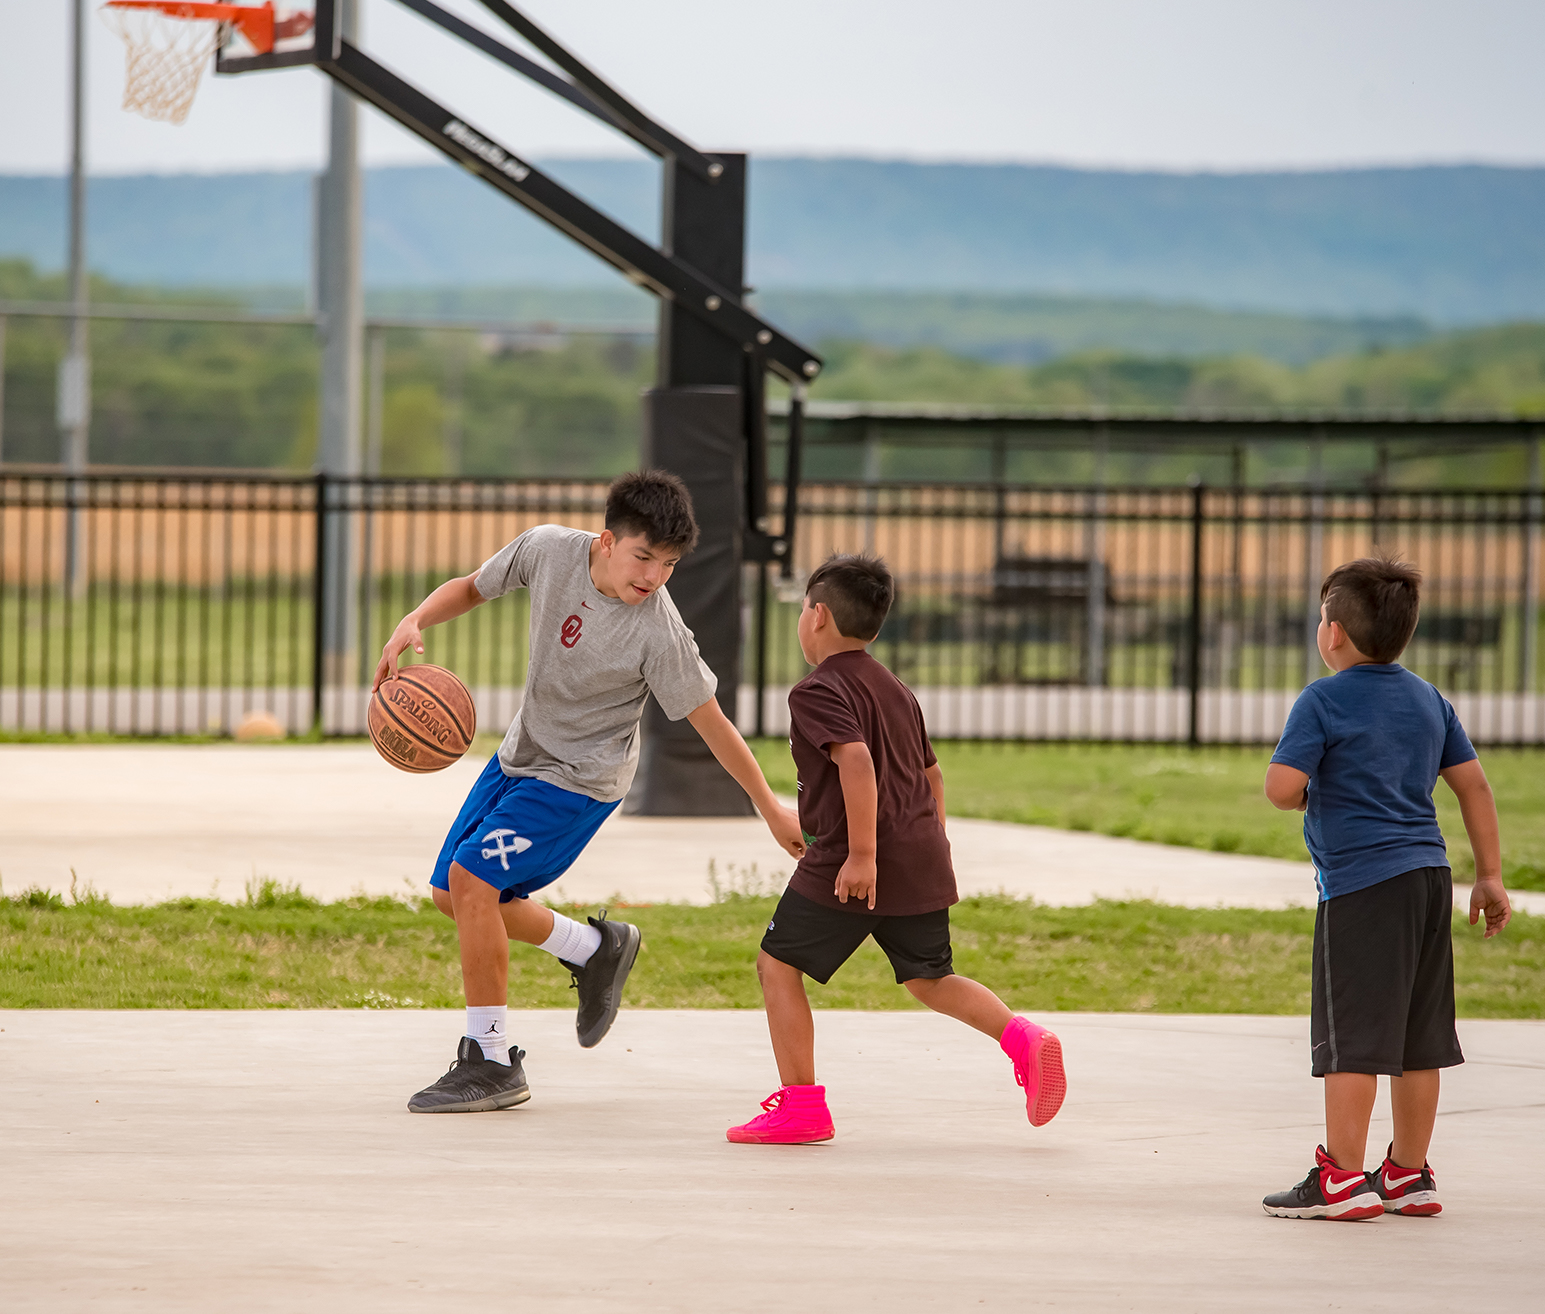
<point x="1394" y="1183"/>
<point x="1346" y="1186"/>
<point x="586" y="605"/>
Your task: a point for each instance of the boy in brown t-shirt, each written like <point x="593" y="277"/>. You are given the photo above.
<point x="871" y="804"/>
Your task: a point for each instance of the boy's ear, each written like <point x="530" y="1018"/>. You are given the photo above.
<point x="608" y="542"/>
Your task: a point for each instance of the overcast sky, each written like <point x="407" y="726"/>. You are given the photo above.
<point x="1167" y="84"/>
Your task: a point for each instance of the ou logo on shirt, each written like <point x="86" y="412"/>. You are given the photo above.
<point x="569" y="635"/>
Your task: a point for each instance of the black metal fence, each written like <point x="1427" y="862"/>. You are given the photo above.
<point x="177" y="604"/>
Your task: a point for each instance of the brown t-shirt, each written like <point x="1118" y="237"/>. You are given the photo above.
<point x="850" y="699"/>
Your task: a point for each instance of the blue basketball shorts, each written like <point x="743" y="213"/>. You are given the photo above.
<point x="518" y="833"/>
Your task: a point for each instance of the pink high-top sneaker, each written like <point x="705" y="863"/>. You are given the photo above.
<point x="796" y="1115"/>
<point x="1037" y="1055"/>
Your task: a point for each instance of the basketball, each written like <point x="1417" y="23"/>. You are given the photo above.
<point x="423" y="720"/>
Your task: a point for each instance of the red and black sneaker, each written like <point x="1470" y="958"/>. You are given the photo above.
<point x="1410" y="1192"/>
<point x="1330" y="1191"/>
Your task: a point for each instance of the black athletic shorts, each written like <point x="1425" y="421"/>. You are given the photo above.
<point x="818" y="940"/>
<point x="1383" y="996"/>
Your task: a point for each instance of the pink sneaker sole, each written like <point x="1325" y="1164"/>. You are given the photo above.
<point x="781" y="1135"/>
<point x="1052" y="1088"/>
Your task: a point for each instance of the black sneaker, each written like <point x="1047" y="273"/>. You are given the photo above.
<point x="475" y="1084"/>
<point x="1329" y="1191"/>
<point x="600" y="981"/>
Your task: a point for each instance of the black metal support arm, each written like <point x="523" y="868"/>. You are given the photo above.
<point x="626" y="115"/>
<point x="527" y="68"/>
<point x="648" y="134"/>
<point x="637" y="259"/>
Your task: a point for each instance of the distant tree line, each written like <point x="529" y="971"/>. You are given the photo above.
<point x="217" y="395"/>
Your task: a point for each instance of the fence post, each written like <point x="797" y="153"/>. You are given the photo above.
<point x="1314" y="555"/>
<point x="1529" y="635"/>
<point x="319" y="603"/>
<point x="760" y="719"/>
<point x="1194" y="638"/>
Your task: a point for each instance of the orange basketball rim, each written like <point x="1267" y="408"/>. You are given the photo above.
<point x="257" y="23"/>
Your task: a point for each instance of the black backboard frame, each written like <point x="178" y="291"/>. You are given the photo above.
<point x="325" y="36"/>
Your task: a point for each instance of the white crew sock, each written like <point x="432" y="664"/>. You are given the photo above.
<point x="488" y="1024"/>
<point x="571" y="941"/>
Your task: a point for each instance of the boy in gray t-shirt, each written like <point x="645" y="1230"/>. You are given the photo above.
<point x="604" y="636"/>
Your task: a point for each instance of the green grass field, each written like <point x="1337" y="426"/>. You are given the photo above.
<point x="282" y="950"/>
<point x="1206" y="798"/>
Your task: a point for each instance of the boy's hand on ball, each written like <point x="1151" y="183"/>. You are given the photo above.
<point x="856" y="880"/>
<point x="405" y="636"/>
<point x="1488" y="897"/>
<point x="784" y="824"/>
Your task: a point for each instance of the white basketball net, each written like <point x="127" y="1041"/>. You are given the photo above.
<point x="166" y="58"/>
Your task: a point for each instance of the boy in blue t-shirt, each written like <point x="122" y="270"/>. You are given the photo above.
<point x="1360" y="756"/>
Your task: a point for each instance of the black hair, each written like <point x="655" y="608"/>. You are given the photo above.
<point x="654" y="503"/>
<point x="1376" y="600"/>
<point x="857" y="589"/>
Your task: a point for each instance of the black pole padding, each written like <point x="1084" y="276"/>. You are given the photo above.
<point x="319" y="604"/>
<point x="1194" y="628"/>
<point x="696" y="433"/>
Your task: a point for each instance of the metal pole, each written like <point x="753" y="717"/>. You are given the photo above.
<point x="1094" y="564"/>
<point x="1229" y="641"/>
<point x="74" y="400"/>
<point x="319" y="599"/>
<point x="1194" y="626"/>
<point x="376" y="403"/>
<point x="871" y="482"/>
<point x="341" y="317"/>
<point x="454" y="373"/>
<point x="2" y="387"/>
<point x="1529" y="644"/>
<point x="1380" y="483"/>
<point x="1314" y="555"/>
<point x="1000" y="462"/>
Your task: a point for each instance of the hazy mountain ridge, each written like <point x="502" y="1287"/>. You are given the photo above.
<point x="1455" y="245"/>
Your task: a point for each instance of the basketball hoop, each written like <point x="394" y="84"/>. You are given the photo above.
<point x="170" y="43"/>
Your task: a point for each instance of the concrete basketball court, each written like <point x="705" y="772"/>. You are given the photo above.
<point x="146" y="823"/>
<point x="166" y="1161"/>
<point x="264" y="1161"/>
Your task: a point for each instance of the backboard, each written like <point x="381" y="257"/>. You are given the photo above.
<point x="304" y="32"/>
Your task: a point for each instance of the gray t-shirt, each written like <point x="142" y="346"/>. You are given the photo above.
<point x="594" y="660"/>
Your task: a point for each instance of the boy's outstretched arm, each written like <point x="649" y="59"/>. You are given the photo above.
<point x="1479" y="810"/>
<point x="861" y="797"/>
<point x="1287" y="787"/>
<point x="725" y="743"/>
<point x="454" y="598"/>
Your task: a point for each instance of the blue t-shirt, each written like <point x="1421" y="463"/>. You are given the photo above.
<point x="1372" y="740"/>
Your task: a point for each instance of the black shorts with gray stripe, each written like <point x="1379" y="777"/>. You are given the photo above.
<point x="1383" y="997"/>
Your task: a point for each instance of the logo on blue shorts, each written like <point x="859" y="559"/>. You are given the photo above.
<point x="518" y="844"/>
